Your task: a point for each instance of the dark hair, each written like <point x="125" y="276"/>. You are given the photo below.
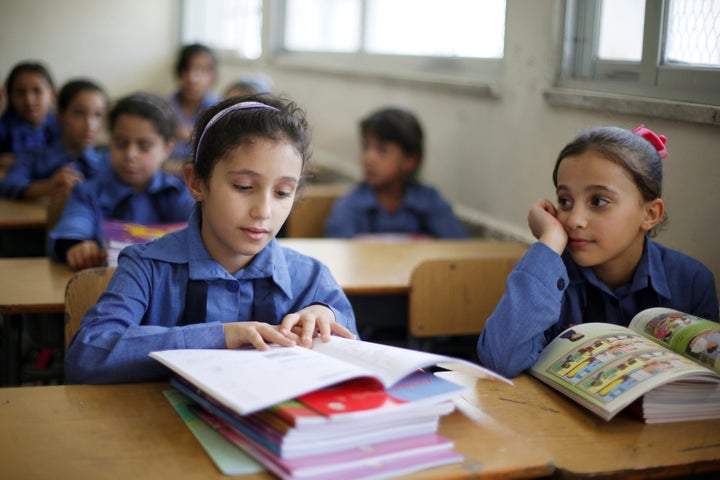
<point x="188" y="52"/>
<point x="27" y="67"/>
<point x="626" y="149"/>
<point x="73" y="88"/>
<point x="285" y="122"/>
<point x="148" y="106"/>
<point x="395" y="125"/>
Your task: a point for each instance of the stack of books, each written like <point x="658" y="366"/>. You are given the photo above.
<point x="344" y="409"/>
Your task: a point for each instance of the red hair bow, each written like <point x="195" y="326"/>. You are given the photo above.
<point x="657" y="141"/>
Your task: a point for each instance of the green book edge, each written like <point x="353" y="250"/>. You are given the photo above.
<point x="230" y="459"/>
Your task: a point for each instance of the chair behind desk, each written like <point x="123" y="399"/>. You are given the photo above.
<point x="82" y="291"/>
<point x="454" y="296"/>
<point x="307" y="218"/>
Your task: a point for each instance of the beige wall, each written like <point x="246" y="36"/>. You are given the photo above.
<point x="491" y="157"/>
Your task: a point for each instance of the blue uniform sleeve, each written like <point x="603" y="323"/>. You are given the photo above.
<point x="440" y="219"/>
<point x="19" y="176"/>
<point x="340" y="222"/>
<point x="329" y="293"/>
<point x="80" y="220"/>
<point x="112" y="345"/>
<point x="514" y="335"/>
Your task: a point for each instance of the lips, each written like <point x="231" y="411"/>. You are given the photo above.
<point x="579" y="242"/>
<point x="255" y="233"/>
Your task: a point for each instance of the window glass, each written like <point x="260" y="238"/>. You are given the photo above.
<point x="234" y="25"/>
<point x="621" y="30"/>
<point x="322" y="25"/>
<point x="693" y="33"/>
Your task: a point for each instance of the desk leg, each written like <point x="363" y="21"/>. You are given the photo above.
<point x="11" y="335"/>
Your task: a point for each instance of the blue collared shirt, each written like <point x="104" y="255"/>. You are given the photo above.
<point x="144" y="304"/>
<point x="182" y="149"/>
<point x="17" y="135"/>
<point x="165" y="200"/>
<point x="547" y="293"/>
<point x="40" y="164"/>
<point x="423" y="212"/>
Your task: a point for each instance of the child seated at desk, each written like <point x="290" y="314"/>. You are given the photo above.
<point x="594" y="261"/>
<point x="54" y="169"/>
<point x="28" y="120"/>
<point x="224" y="281"/>
<point x="390" y="200"/>
<point x="133" y="189"/>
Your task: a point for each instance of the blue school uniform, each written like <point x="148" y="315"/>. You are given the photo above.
<point x="423" y="212"/>
<point x="183" y="149"/>
<point x="546" y="293"/>
<point x="170" y="294"/>
<point x="40" y="164"/>
<point x="165" y="200"/>
<point x="17" y="135"/>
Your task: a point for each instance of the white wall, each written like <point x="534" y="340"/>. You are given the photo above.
<point x="491" y="157"/>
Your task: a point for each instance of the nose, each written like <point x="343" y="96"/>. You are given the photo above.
<point x="577" y="217"/>
<point x="261" y="207"/>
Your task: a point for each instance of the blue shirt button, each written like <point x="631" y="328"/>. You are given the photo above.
<point x="232" y="286"/>
<point x="561" y="284"/>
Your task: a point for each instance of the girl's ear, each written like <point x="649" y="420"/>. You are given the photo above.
<point x="653" y="213"/>
<point x="194" y="183"/>
<point x="410" y="163"/>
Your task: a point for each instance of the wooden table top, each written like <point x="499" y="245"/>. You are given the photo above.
<point x="32" y="285"/>
<point x="15" y="214"/>
<point x="132" y="431"/>
<point x="371" y="267"/>
<point x="584" y="445"/>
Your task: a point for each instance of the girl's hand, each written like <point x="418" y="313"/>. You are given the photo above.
<point x="257" y="334"/>
<point x="313" y="320"/>
<point x="85" y="254"/>
<point x="64" y="179"/>
<point x="543" y="222"/>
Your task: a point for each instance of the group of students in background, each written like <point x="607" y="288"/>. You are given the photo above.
<point x="224" y="281"/>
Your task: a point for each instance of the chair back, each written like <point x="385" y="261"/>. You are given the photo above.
<point x="307" y="218"/>
<point x="82" y="291"/>
<point x="455" y="296"/>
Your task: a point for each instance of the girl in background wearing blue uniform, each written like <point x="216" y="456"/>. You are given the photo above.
<point x="133" y="189"/>
<point x="224" y="281"/>
<point x="196" y="71"/>
<point x="594" y="261"/>
<point x="390" y="200"/>
<point x="54" y="169"/>
<point x="28" y="120"/>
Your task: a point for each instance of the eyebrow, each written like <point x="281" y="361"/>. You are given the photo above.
<point x="589" y="188"/>
<point x="253" y="173"/>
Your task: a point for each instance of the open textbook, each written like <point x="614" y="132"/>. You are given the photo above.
<point x="665" y="363"/>
<point x="249" y="380"/>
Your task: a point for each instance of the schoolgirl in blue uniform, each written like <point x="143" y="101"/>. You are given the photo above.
<point x="133" y="189"/>
<point x="390" y="200"/>
<point x="594" y="261"/>
<point x="224" y="281"/>
<point x="28" y="121"/>
<point x="54" y="169"/>
<point x="196" y="71"/>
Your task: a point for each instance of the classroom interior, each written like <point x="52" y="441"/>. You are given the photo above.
<point x="490" y="149"/>
<point x="490" y="146"/>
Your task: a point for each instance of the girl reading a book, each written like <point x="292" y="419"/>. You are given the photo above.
<point x="595" y="261"/>
<point x="224" y="281"/>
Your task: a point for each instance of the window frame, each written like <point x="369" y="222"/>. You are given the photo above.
<point x="472" y="75"/>
<point x="649" y="87"/>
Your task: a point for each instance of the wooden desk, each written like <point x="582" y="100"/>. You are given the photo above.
<point x="366" y="267"/>
<point x="583" y="445"/>
<point x="21" y="214"/>
<point x="27" y="286"/>
<point x="132" y="431"/>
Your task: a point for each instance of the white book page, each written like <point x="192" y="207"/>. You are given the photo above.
<point x="391" y="364"/>
<point x="250" y="380"/>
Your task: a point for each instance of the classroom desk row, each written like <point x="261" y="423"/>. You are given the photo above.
<point x="520" y="431"/>
<point x="37" y="285"/>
